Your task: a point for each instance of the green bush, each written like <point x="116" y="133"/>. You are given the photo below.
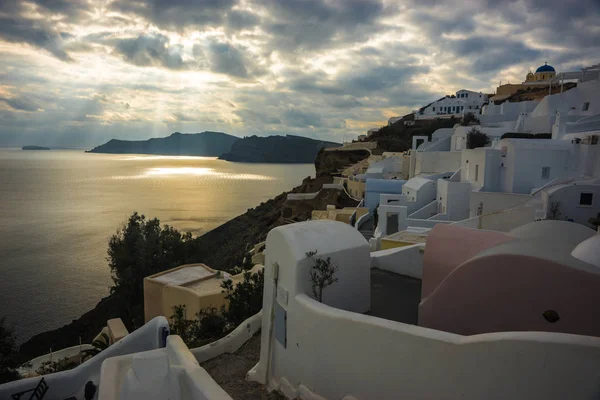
<point x="50" y="367"/>
<point x="8" y="353"/>
<point x="245" y="300"/>
<point x="476" y="138"/>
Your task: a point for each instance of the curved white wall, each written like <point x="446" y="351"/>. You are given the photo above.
<point x="65" y="384"/>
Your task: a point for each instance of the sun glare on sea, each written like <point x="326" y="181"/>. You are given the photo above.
<point x="200" y="171"/>
<point x="180" y="171"/>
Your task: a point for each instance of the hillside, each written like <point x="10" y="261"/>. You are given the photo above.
<point x="398" y="137"/>
<point x="276" y="149"/>
<point x="207" y="144"/>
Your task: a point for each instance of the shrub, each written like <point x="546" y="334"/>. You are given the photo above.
<point x="322" y="274"/>
<point x="182" y="326"/>
<point x="50" y="367"/>
<point x="554" y="211"/>
<point x="469" y="119"/>
<point x="8" y="353"/>
<point x="476" y="138"/>
<point x="245" y="300"/>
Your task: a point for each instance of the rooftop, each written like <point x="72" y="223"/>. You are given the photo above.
<point x="184" y="275"/>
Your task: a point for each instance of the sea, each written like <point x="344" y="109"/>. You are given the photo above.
<point x="58" y="209"/>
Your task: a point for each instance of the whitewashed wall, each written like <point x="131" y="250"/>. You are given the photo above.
<point x="333" y="353"/>
<point x="65" y="384"/>
<point x="436" y="162"/>
<point x="454" y="198"/>
<point x="568" y="198"/>
<point x="496" y="201"/>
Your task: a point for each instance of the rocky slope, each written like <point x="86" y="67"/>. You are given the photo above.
<point x="206" y="144"/>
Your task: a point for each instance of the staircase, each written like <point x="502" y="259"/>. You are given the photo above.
<point x="38" y="392"/>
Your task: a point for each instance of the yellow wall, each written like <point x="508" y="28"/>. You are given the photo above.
<point x="356" y="188"/>
<point x="160" y="298"/>
<point x="392" y="244"/>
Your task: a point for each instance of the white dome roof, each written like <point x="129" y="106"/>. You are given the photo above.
<point x="588" y="251"/>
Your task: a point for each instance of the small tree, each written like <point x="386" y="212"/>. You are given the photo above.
<point x="554" y="210"/>
<point x="469" y="119"/>
<point x="322" y="274"/>
<point x="180" y="325"/>
<point x="8" y="353"/>
<point x="476" y="138"/>
<point x="245" y="298"/>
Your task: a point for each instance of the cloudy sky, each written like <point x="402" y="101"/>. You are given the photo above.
<point x="79" y="72"/>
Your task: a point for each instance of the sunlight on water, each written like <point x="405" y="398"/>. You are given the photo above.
<point x="180" y="171"/>
<point x="59" y="208"/>
<point x="199" y="171"/>
<point x="149" y="157"/>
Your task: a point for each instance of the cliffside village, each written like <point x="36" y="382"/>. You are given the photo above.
<point x="468" y="267"/>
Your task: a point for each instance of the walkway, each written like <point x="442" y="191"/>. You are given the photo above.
<point x="229" y="371"/>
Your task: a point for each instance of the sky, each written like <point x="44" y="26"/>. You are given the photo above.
<point x="80" y="72"/>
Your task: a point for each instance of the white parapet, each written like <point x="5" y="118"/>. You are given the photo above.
<point x="407" y="260"/>
<point x="315" y="350"/>
<point x="71" y="383"/>
<point x="169" y="373"/>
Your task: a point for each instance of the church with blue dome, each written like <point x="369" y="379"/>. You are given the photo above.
<point x="543" y="73"/>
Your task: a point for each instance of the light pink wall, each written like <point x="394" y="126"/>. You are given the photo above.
<point x="448" y="246"/>
<point x="511" y="293"/>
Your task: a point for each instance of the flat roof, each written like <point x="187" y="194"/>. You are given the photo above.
<point x="184" y="275"/>
<point x="412" y="234"/>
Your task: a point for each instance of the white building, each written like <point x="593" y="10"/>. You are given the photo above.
<point x="576" y="201"/>
<point x="371" y="131"/>
<point x="463" y="102"/>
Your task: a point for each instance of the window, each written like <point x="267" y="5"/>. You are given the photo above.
<point x="433" y="109"/>
<point x="586" y="199"/>
<point x="466" y="94"/>
<point x="545" y="172"/>
<point x="585" y="106"/>
<point x="476" y="173"/>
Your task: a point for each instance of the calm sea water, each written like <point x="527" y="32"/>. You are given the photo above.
<point x="58" y="209"/>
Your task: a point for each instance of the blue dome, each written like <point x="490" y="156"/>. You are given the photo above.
<point x="545" y="68"/>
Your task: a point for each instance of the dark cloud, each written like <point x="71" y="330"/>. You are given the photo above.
<point x="344" y="102"/>
<point x="238" y="20"/>
<point x="33" y="32"/>
<point x="21" y="103"/>
<point x="254" y="117"/>
<point x="488" y="54"/>
<point x="313" y="24"/>
<point x="177" y="14"/>
<point x="436" y="24"/>
<point x="65" y="8"/>
<point x="297" y="118"/>
<point x="225" y="58"/>
<point x="150" y="50"/>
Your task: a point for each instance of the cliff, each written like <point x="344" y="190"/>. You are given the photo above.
<point x="207" y="144"/>
<point x="276" y="149"/>
<point x="222" y="248"/>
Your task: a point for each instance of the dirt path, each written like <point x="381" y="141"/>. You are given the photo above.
<point x="229" y="371"/>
